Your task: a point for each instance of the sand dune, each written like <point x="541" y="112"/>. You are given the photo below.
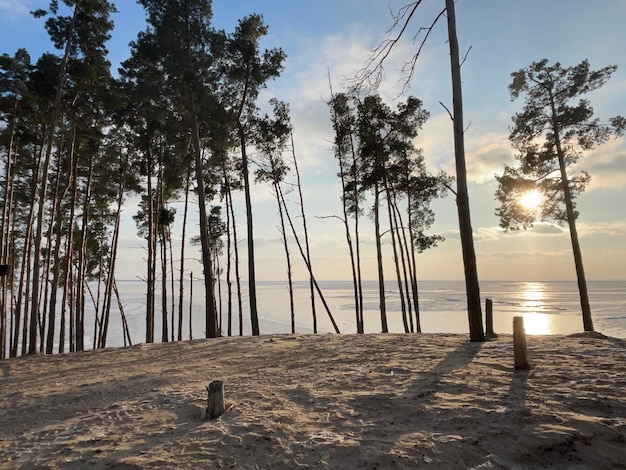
<point x="328" y="401"/>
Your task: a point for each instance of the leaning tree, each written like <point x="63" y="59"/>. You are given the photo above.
<point x="550" y="134"/>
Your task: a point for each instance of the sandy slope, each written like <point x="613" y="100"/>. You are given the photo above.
<point x="330" y="401"/>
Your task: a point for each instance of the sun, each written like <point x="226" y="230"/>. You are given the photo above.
<point x="531" y="200"/>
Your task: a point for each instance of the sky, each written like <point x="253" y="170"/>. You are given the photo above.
<point x="335" y="38"/>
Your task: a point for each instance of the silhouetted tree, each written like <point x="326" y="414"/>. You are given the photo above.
<point x="550" y="134"/>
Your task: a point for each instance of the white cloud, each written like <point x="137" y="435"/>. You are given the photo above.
<point x="14" y="7"/>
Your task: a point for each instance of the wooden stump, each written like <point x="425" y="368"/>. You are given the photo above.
<point x="519" y="344"/>
<point x="489" y="319"/>
<point x="215" y="401"/>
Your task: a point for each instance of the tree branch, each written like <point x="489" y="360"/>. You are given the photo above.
<point x="465" y="56"/>
<point x="373" y="70"/>
<point x="446" y="108"/>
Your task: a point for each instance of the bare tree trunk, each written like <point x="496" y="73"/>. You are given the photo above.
<point x="236" y="250"/>
<point x="306" y="232"/>
<point x="353" y="261"/>
<point x="150" y="265"/>
<point x="77" y="323"/>
<point x="210" y="313"/>
<point x="229" y="241"/>
<point x="172" y="293"/>
<point x="98" y="333"/>
<point x="181" y="287"/>
<point x="283" y="233"/>
<point x="69" y="253"/>
<point x="7" y="210"/>
<point x="379" y="262"/>
<point x="474" y="311"/>
<point x="317" y="287"/>
<point x="413" y="269"/>
<point x="403" y="245"/>
<point x="254" y="316"/>
<point x="7" y="205"/>
<point x="56" y="110"/>
<point x="164" y="312"/>
<point x="571" y="222"/>
<point x="125" y="329"/>
<point x="111" y="285"/>
<point x="190" y="305"/>
<point x="27" y="306"/>
<point x="58" y="236"/>
<point x="396" y="260"/>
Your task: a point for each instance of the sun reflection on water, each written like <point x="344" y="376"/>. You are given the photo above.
<point x="535" y="323"/>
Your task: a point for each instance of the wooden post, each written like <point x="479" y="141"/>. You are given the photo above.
<point x="489" y="319"/>
<point x="215" y="401"/>
<point x="519" y="344"/>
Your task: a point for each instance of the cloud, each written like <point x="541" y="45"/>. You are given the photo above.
<point x="14" y="7"/>
<point x="606" y="165"/>
<point x="546" y="229"/>
<point x="487" y="233"/>
<point x="615" y="228"/>
<point x="532" y="254"/>
<point x="486" y="153"/>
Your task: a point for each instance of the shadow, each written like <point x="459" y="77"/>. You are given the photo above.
<point x="5" y="369"/>
<point x="418" y="413"/>
<point x="516" y="406"/>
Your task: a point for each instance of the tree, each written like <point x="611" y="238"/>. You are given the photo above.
<point x="378" y="160"/>
<point x="248" y="73"/>
<point x="550" y="135"/>
<point x="342" y="117"/>
<point x="271" y="135"/>
<point x="179" y="42"/>
<point x="373" y="71"/>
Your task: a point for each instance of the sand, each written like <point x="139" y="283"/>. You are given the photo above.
<point x="327" y="401"/>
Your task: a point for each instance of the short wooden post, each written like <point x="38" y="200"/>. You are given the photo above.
<point x="519" y="344"/>
<point x="489" y="319"/>
<point x="215" y="401"/>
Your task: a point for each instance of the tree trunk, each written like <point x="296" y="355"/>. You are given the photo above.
<point x="77" y="324"/>
<point x="236" y="250"/>
<point x="150" y="294"/>
<point x="474" y="310"/>
<point x="210" y="312"/>
<point x="181" y="287"/>
<point x="379" y="259"/>
<point x="254" y="316"/>
<point x="404" y="259"/>
<point x="229" y="244"/>
<point x="317" y="287"/>
<point x="396" y="261"/>
<point x="58" y="236"/>
<point x="7" y="210"/>
<point x="111" y="285"/>
<point x="413" y="271"/>
<point x="287" y="256"/>
<point x="69" y="255"/>
<point x="571" y="222"/>
<point x="56" y="110"/>
<point x="306" y="232"/>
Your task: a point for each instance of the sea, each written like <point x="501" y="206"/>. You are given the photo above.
<point x="548" y="308"/>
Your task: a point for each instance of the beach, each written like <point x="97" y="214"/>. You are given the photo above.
<point x="320" y="401"/>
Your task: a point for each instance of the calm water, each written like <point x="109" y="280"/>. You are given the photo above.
<point x="547" y="307"/>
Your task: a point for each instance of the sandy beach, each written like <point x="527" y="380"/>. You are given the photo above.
<point x="326" y="401"/>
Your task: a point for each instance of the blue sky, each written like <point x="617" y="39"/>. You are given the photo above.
<point x="337" y="35"/>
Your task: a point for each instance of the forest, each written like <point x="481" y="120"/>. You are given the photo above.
<point x="78" y="139"/>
